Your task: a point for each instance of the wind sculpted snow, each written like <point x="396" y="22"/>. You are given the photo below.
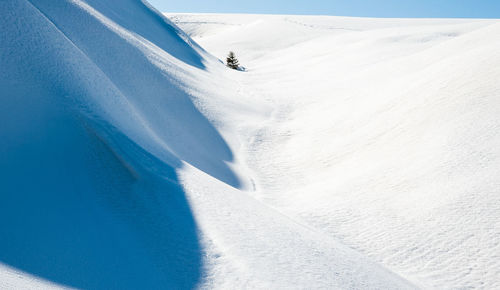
<point x="131" y="158"/>
<point x="95" y="121"/>
<point x="117" y="168"/>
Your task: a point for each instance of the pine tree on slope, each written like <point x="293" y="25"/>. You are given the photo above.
<point x="232" y="61"/>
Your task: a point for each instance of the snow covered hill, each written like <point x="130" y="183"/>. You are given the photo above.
<point x="352" y="153"/>
<point x="95" y="119"/>
<point x="380" y="133"/>
<point x="120" y="164"/>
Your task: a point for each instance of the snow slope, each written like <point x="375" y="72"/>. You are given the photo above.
<point x="380" y="133"/>
<point x="94" y="123"/>
<point x="352" y="154"/>
<point x="121" y="163"/>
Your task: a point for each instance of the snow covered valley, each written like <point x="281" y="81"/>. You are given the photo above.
<point x="351" y="153"/>
<point x="380" y="133"/>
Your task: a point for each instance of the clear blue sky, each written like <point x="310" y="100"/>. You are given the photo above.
<point x="373" y="8"/>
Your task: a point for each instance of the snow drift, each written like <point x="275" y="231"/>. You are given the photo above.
<point x="344" y="158"/>
<point x="95" y="119"/>
<point x="117" y="165"/>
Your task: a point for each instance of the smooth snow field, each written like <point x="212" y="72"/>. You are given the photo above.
<point x="349" y="153"/>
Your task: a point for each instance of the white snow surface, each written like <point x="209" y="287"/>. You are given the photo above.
<point x="350" y="154"/>
<point x="382" y="134"/>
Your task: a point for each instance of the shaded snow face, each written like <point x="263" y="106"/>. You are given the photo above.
<point x="95" y="122"/>
<point x="147" y="84"/>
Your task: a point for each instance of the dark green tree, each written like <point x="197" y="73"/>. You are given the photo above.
<point x="232" y="61"/>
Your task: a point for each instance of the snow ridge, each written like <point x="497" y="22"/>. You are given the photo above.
<point x="118" y="170"/>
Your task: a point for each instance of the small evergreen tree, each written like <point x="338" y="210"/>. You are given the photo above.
<point x="232" y="61"/>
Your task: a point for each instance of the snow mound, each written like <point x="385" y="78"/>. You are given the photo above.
<point x="96" y="115"/>
<point x="118" y="169"/>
